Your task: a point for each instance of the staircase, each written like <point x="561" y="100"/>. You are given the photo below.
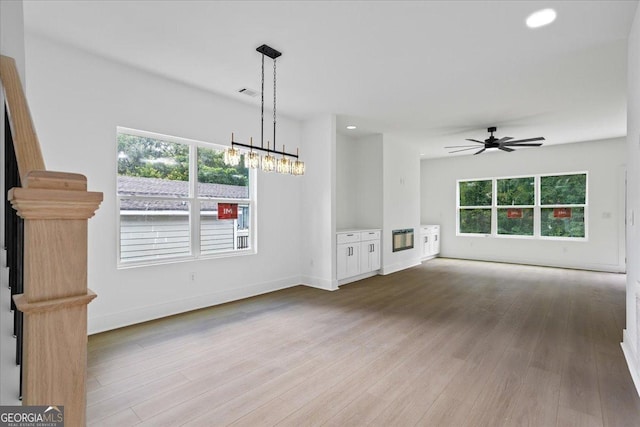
<point x="10" y="384"/>
<point x="46" y="250"/>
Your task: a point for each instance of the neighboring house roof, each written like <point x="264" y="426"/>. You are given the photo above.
<point x="150" y="187"/>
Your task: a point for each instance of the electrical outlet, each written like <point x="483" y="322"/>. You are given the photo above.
<point x="192" y="276"/>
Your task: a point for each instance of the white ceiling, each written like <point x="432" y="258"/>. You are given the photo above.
<point x="433" y="72"/>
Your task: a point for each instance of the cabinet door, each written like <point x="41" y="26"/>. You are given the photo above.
<point x="353" y="260"/>
<point x="370" y="256"/>
<point x="435" y="249"/>
<point x="374" y="255"/>
<point x="426" y="246"/>
<point x="348" y="262"/>
<point x="365" y="257"/>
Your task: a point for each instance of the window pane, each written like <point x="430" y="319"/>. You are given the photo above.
<point x="152" y="167"/>
<point x="475" y="193"/>
<point x="562" y="222"/>
<point x="515" y="222"/>
<point x="563" y="190"/>
<point x="223" y="227"/>
<point x="215" y="179"/>
<point x="516" y="191"/>
<point x="475" y="221"/>
<point x="154" y="229"/>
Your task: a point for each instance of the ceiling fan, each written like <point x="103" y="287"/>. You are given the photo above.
<point x="504" y="144"/>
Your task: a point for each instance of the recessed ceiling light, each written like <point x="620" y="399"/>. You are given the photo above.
<point x="541" y="18"/>
<point x="351" y="127"/>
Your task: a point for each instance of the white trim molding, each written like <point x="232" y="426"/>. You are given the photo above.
<point x="632" y="360"/>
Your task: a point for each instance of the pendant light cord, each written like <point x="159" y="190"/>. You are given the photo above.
<point x="262" y="107"/>
<point x="274" y="103"/>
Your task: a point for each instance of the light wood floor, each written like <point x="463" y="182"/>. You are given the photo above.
<point x="450" y="343"/>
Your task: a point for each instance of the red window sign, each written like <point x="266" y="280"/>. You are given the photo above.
<point x="562" y="212"/>
<point x="514" y="213"/>
<point x="227" y="211"/>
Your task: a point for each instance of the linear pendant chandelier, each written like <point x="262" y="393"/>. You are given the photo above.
<point x="268" y="162"/>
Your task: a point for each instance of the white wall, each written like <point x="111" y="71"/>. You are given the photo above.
<point x="12" y="33"/>
<point x="401" y="201"/>
<point x="359" y="182"/>
<point x="346" y="186"/>
<point x="369" y="183"/>
<point x="318" y="201"/>
<point x="604" y="161"/>
<point x="77" y="101"/>
<point x="631" y="343"/>
<point x="11" y="44"/>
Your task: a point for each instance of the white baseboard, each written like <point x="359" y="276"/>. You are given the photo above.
<point x="4" y="277"/>
<point x="399" y="266"/>
<point x="316" y="282"/>
<point x="631" y="358"/>
<point x="358" y="277"/>
<point x="143" y="314"/>
<point x="606" y="268"/>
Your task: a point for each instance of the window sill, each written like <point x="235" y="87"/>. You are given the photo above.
<point x="190" y="258"/>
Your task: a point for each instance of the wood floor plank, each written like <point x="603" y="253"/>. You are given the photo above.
<point x="123" y="418"/>
<point x="616" y="384"/>
<point x="571" y="418"/>
<point x="448" y="343"/>
<point x="497" y="399"/>
<point x="446" y="412"/>
<point x="536" y="403"/>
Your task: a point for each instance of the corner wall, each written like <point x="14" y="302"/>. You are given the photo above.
<point x="604" y="161"/>
<point x="631" y="341"/>
<point x="401" y="201"/>
<point x="318" y="203"/>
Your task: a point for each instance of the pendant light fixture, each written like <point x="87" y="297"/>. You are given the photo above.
<point x="268" y="162"/>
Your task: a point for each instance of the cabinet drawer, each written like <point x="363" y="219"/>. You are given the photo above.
<point x="347" y="238"/>
<point x="369" y="235"/>
<point x="425" y="229"/>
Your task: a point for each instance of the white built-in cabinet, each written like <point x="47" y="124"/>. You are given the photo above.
<point x="430" y="241"/>
<point x="358" y="254"/>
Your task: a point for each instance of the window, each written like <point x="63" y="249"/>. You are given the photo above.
<point x="544" y="206"/>
<point x="516" y="200"/>
<point x="563" y="200"/>
<point x="178" y="200"/>
<point x="475" y="206"/>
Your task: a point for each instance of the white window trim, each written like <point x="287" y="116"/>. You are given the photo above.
<point x="194" y="223"/>
<point x="537" y="212"/>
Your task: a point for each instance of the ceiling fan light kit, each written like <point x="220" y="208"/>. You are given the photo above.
<point x="493" y="144"/>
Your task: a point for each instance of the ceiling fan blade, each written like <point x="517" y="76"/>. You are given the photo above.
<point x="503" y="148"/>
<point x="478" y="152"/>
<point x="512" y="144"/>
<point x="460" y="146"/>
<point x="464" y="149"/>
<point x="540" y="138"/>
<point x="505" y="139"/>
<point x="475" y="140"/>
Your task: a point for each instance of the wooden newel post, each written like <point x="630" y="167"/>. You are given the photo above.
<point x="55" y="207"/>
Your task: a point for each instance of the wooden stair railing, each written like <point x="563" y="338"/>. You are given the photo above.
<point x="55" y="207"/>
